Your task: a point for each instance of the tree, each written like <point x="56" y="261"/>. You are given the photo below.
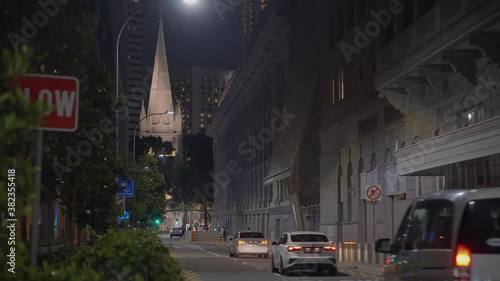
<point x="154" y="145"/>
<point x="18" y="119"/>
<point x="192" y="182"/>
<point x="84" y="164"/>
<point x="149" y="202"/>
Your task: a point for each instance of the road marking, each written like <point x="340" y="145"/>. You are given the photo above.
<point x="244" y="263"/>
<point x="259" y="268"/>
<point x="235" y="259"/>
<point x="277" y="274"/>
<point x="201" y="249"/>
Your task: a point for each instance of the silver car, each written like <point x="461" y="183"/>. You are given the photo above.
<point x="447" y="235"/>
<point x="249" y="243"/>
<point x="176" y="231"/>
<point x="303" y="250"/>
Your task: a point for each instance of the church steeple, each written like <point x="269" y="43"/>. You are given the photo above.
<point x="166" y="126"/>
<point x="160" y="98"/>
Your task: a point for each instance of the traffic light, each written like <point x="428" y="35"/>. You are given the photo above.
<point x="157" y="221"/>
<point x="176" y="221"/>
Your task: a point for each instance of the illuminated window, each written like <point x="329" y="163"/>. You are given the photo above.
<point x="341" y="83"/>
<point x="472" y="116"/>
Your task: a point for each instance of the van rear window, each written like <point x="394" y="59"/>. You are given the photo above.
<point x="480" y="227"/>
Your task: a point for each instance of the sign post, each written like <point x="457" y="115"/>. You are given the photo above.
<point x="373" y="193"/>
<point x="61" y="94"/>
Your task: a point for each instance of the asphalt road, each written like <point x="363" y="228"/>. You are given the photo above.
<point x="212" y="263"/>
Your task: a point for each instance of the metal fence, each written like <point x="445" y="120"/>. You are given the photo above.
<point x="360" y="252"/>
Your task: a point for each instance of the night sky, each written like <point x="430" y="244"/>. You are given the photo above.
<point x="195" y="34"/>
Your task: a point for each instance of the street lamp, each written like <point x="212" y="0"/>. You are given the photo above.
<point x="137" y="126"/>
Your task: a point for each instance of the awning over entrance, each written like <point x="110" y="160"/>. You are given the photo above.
<point x="425" y="158"/>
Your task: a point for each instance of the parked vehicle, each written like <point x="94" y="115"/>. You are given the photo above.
<point x="176" y="231"/>
<point x="447" y="235"/>
<point x="249" y="243"/>
<point x="303" y="250"/>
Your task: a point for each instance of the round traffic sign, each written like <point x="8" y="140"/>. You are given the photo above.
<point x="373" y="192"/>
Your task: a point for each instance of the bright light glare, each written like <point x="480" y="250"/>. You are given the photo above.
<point x="190" y="1"/>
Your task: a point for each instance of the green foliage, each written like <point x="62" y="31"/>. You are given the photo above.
<point x="84" y="165"/>
<point x="191" y="177"/>
<point x="18" y="119"/>
<point x="152" y="144"/>
<point x="128" y="255"/>
<point x="185" y="180"/>
<point x="149" y="200"/>
<point x="197" y="150"/>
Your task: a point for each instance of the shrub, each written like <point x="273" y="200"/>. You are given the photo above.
<point x="128" y="255"/>
<point x="131" y="255"/>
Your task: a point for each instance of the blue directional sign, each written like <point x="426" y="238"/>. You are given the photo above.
<point x="128" y="188"/>
<point x="125" y="216"/>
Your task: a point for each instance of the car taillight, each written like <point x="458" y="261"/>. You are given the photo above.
<point x="264" y="242"/>
<point x="294" y="248"/>
<point x="329" y="248"/>
<point x="241" y="242"/>
<point x="463" y="259"/>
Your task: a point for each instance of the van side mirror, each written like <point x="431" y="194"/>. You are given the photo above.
<point x="385" y="246"/>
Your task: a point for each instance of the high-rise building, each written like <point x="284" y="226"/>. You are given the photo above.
<point x="198" y="90"/>
<point x="161" y="119"/>
<point x="132" y="89"/>
<point x="252" y="9"/>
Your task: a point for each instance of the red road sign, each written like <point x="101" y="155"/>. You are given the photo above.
<point x="61" y="92"/>
<point x="373" y="192"/>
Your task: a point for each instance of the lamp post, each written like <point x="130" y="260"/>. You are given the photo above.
<point x="137" y="126"/>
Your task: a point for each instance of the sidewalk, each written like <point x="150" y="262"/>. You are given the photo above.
<point x="362" y="269"/>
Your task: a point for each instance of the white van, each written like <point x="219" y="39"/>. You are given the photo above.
<point x="451" y="235"/>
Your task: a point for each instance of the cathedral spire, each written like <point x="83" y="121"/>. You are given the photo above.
<point x="160" y="98"/>
<point x="160" y="120"/>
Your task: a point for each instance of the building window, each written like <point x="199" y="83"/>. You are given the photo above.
<point x="424" y="6"/>
<point x="419" y="185"/>
<point x="341" y="84"/>
<point x="332" y="89"/>
<point x="408" y="12"/>
<point x="350" y="191"/>
<point x="349" y="12"/>
<point x="440" y="183"/>
<point x="360" y="8"/>
<point x="340" y="22"/>
<point x="331" y="32"/>
<point x="471" y="117"/>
